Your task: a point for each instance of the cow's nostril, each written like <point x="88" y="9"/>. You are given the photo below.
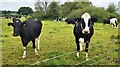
<point x="85" y="31"/>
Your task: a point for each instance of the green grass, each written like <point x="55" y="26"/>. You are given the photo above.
<point x="57" y="39"/>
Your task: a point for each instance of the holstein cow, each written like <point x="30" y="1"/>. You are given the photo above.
<point x="28" y="31"/>
<point x="83" y="31"/>
<point x="71" y="21"/>
<point x="114" y="22"/>
<point x="106" y="21"/>
<point x="57" y="19"/>
<point x="111" y="21"/>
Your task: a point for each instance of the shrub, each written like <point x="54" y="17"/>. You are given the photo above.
<point x="97" y="12"/>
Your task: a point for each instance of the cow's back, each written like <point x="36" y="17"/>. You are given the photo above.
<point x="31" y="29"/>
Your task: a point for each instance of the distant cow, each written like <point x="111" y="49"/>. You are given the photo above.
<point x="63" y="19"/>
<point x="71" y="20"/>
<point x="111" y="21"/>
<point x="57" y="19"/>
<point x="28" y="31"/>
<point x="106" y="21"/>
<point x="114" y="22"/>
<point x="83" y="31"/>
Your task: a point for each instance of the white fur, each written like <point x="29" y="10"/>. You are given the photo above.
<point x="77" y="54"/>
<point x="81" y="47"/>
<point x="112" y="21"/>
<point x="86" y="17"/>
<point x="17" y="21"/>
<point x="87" y="56"/>
<point x="64" y="19"/>
<point x="81" y="43"/>
<point x="81" y="40"/>
<point x="24" y="54"/>
<point x="36" y="50"/>
<point x="38" y="43"/>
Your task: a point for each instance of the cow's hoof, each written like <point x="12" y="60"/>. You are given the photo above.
<point x="87" y="59"/>
<point x="77" y="54"/>
<point x="23" y="57"/>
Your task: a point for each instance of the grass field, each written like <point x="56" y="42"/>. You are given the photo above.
<point x="57" y="46"/>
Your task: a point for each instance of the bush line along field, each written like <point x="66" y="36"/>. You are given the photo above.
<point x="57" y="39"/>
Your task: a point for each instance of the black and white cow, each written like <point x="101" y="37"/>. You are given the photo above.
<point x="71" y="21"/>
<point x="114" y="22"/>
<point x="57" y="19"/>
<point x="83" y="31"/>
<point x="28" y="31"/>
<point x="106" y="21"/>
<point x="111" y="21"/>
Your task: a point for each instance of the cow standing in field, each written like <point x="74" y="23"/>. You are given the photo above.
<point x="111" y="21"/>
<point x="28" y="31"/>
<point x="106" y="21"/>
<point x="83" y="31"/>
<point x="57" y="19"/>
<point x="114" y="22"/>
<point x="72" y="21"/>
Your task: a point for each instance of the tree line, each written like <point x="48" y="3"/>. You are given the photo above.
<point x="48" y="10"/>
<point x="22" y="11"/>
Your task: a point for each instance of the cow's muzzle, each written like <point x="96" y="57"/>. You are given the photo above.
<point x="85" y="31"/>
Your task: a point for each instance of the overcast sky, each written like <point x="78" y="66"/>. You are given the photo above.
<point x="14" y="5"/>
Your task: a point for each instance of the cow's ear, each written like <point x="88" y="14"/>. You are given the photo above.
<point x="10" y="24"/>
<point x="78" y="19"/>
<point x="23" y="24"/>
<point x="94" y="19"/>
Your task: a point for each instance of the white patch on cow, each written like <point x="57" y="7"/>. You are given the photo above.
<point x="87" y="56"/>
<point x="81" y="43"/>
<point x="112" y="21"/>
<point x="17" y="21"/>
<point x="81" y="40"/>
<point x="77" y="54"/>
<point x="38" y="43"/>
<point x="86" y="17"/>
<point x="36" y="50"/>
<point x="64" y="19"/>
<point x="24" y="54"/>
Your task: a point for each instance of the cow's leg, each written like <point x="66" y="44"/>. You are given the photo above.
<point x="86" y="50"/>
<point x="39" y="43"/>
<point x="24" y="54"/>
<point x="78" y="46"/>
<point x="113" y="25"/>
<point x="81" y="43"/>
<point x="116" y="24"/>
<point x="25" y="42"/>
<point x="33" y="41"/>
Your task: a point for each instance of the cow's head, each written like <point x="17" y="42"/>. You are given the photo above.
<point x="17" y="25"/>
<point x="86" y="22"/>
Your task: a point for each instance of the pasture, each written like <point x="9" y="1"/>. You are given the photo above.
<point x="57" y="46"/>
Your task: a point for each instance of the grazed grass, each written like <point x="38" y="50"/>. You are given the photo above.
<point x="58" y="39"/>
